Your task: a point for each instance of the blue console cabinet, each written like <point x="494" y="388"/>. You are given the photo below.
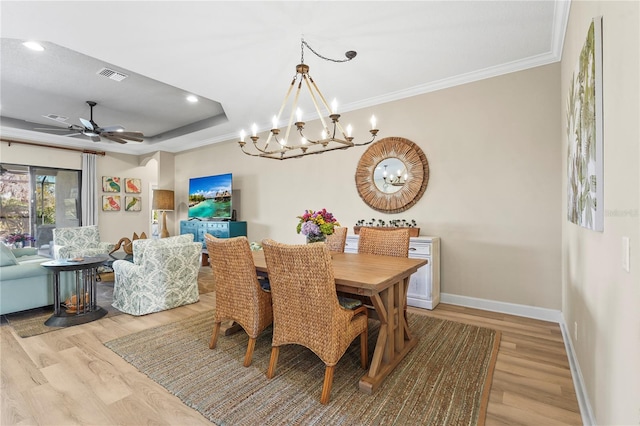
<point x="217" y="229"/>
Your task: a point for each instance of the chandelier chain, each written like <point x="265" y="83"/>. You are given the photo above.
<point x="304" y="43"/>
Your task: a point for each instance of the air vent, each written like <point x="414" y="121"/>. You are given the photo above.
<point x="112" y="74"/>
<point x="56" y="117"/>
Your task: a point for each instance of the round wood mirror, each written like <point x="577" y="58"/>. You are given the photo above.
<point x="406" y="178"/>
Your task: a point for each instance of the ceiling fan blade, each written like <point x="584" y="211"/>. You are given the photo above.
<point x="111" y="129"/>
<point x="86" y="123"/>
<point x="114" y="138"/>
<point x="133" y="136"/>
<point x="51" y="129"/>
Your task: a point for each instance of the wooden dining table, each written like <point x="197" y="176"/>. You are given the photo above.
<point x="385" y="280"/>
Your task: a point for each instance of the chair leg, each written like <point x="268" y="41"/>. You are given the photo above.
<point x="364" y="349"/>
<point x="250" y="346"/>
<point x="214" y="335"/>
<point x="275" y="351"/>
<point x="328" y="383"/>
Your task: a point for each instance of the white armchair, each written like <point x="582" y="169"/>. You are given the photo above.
<point x="79" y="241"/>
<point x="163" y="275"/>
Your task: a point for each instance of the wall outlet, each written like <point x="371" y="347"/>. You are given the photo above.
<point x="575" y="330"/>
<point x="625" y="254"/>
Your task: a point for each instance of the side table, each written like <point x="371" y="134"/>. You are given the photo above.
<point x="85" y="278"/>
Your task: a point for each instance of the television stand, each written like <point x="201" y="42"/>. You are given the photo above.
<point x="216" y="228"/>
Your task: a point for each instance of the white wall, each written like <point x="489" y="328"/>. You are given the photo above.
<point x="493" y="196"/>
<point x="598" y="296"/>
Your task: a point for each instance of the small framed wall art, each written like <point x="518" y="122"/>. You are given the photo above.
<point x="132" y="204"/>
<point x="110" y="184"/>
<point x="132" y="185"/>
<point x="110" y="203"/>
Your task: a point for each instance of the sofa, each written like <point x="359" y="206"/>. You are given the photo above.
<point x="163" y="275"/>
<point x="24" y="283"/>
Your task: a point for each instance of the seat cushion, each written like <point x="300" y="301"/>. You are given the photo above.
<point x="264" y="283"/>
<point x="25" y="251"/>
<point x="349" y="303"/>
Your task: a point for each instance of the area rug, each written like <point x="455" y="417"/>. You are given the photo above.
<point x="444" y="380"/>
<point x="31" y="323"/>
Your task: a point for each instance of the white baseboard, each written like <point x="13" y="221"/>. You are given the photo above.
<point x="534" y="312"/>
<point x="588" y="419"/>
<point x="543" y="314"/>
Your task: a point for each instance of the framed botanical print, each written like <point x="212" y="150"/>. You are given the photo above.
<point x="585" y="197"/>
<point x="110" y="184"/>
<point x="132" y="185"/>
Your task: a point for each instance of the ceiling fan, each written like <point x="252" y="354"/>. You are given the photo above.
<point x="91" y="129"/>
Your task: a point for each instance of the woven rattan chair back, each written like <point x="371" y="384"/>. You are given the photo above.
<point x="239" y="297"/>
<point x="385" y="243"/>
<point x="337" y="240"/>
<point x="306" y="309"/>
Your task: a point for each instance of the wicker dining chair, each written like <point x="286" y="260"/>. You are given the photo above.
<point x="385" y="243"/>
<point x="306" y="309"/>
<point x="239" y="297"/>
<point x="337" y="240"/>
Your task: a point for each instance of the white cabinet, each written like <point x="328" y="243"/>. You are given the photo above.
<point x="424" y="286"/>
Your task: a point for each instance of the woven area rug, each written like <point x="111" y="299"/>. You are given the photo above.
<point x="31" y="323"/>
<point x="444" y="380"/>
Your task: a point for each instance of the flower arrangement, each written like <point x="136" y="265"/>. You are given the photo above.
<point x="18" y="238"/>
<point x="316" y="225"/>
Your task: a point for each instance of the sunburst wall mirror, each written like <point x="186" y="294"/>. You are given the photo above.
<point x="392" y="175"/>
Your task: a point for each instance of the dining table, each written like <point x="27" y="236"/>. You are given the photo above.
<point x="385" y="280"/>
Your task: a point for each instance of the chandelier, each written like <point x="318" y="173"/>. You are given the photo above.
<point x="292" y="141"/>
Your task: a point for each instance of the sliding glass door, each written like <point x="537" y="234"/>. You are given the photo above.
<point x="35" y="200"/>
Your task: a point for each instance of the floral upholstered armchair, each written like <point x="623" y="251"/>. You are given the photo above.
<point x="163" y="275"/>
<point x="79" y="241"/>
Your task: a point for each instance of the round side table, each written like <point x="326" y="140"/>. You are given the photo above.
<point x="86" y="309"/>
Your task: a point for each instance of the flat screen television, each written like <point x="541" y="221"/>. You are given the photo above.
<point x="210" y="197"/>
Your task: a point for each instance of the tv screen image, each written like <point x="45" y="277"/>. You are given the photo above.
<point x="210" y="197"/>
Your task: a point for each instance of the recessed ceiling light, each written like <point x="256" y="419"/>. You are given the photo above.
<point x="192" y="98"/>
<point x="33" y="45"/>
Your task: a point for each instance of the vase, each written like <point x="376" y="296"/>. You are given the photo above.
<point x="18" y="244"/>
<point x="312" y="238"/>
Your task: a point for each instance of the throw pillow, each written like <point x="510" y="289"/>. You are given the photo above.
<point x="6" y="256"/>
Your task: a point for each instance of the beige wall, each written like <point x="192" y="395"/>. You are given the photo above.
<point x="493" y="195"/>
<point x="116" y="225"/>
<point x="601" y="298"/>
<point x="113" y="225"/>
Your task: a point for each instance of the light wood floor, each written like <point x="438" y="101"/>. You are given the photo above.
<point x="68" y="377"/>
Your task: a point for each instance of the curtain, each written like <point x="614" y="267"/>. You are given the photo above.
<point x="89" y="190"/>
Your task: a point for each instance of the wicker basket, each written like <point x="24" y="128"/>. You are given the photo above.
<point x="413" y="232"/>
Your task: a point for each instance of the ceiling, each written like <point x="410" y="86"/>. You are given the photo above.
<point x="239" y="57"/>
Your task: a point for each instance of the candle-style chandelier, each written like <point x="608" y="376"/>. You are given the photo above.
<point x="281" y="146"/>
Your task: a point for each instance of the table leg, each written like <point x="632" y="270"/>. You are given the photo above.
<point x="394" y="339"/>
<point x="56" y="293"/>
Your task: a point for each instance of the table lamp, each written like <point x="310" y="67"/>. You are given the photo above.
<point x="163" y="201"/>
